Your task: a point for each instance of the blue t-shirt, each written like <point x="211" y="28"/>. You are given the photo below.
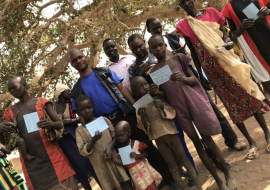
<point x="101" y="99"/>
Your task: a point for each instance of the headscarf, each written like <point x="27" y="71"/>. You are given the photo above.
<point x="59" y="89"/>
<point x="211" y="37"/>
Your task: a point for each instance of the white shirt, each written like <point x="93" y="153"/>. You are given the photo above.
<point x="121" y="68"/>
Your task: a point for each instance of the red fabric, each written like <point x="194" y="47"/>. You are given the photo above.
<point x="26" y="176"/>
<point x="71" y="112"/>
<point x="60" y="163"/>
<point x="9" y="117"/>
<point x="264" y="3"/>
<point x="142" y="146"/>
<point x="152" y="186"/>
<point x="229" y="13"/>
<point x="211" y="15"/>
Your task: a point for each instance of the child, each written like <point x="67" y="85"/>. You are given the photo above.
<point x="144" y="177"/>
<point x="12" y="140"/>
<point x="187" y="96"/>
<point x="110" y="175"/>
<point x="158" y="124"/>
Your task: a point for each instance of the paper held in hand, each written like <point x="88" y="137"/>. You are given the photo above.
<point x="97" y="125"/>
<point x="251" y="11"/>
<point x="162" y="75"/>
<point x="125" y="155"/>
<point x="143" y="101"/>
<point x="31" y="121"/>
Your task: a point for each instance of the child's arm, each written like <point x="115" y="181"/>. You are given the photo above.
<point x="143" y="155"/>
<point x="191" y="81"/>
<point x="4" y="150"/>
<point x="141" y="112"/>
<point x="118" y="161"/>
<point x="90" y="145"/>
<point x="85" y="148"/>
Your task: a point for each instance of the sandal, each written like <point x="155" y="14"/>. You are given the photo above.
<point x="268" y="148"/>
<point x="239" y="146"/>
<point x="253" y="153"/>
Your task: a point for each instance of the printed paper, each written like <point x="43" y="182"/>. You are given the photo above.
<point x="251" y="11"/>
<point x="31" y="121"/>
<point x="162" y="75"/>
<point x="125" y="155"/>
<point x="143" y="101"/>
<point x="97" y="125"/>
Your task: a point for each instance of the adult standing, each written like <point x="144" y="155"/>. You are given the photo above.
<point x="81" y="165"/>
<point x="154" y="26"/>
<point x="118" y="63"/>
<point x="50" y="168"/>
<point x="110" y="98"/>
<point x="252" y="36"/>
<point x="238" y="102"/>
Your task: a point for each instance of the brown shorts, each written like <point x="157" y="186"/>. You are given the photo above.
<point x="68" y="184"/>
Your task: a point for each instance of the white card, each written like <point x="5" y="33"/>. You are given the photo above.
<point x="143" y="101"/>
<point x="251" y="11"/>
<point x="162" y="75"/>
<point x="125" y="155"/>
<point x="31" y="121"/>
<point x="97" y="125"/>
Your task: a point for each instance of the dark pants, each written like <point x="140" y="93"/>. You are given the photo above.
<point x="227" y="131"/>
<point x="154" y="157"/>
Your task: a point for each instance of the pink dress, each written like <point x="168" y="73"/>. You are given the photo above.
<point x="239" y="104"/>
<point x="190" y="102"/>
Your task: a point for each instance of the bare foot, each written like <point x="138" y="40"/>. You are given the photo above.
<point x="231" y="183"/>
<point x="29" y="157"/>
<point x="222" y="186"/>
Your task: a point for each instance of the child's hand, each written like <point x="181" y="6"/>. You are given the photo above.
<point x="6" y="127"/>
<point x="141" y="111"/>
<point x="154" y="89"/>
<point x="158" y="103"/>
<point x="97" y="136"/>
<point x="177" y="77"/>
<point x="133" y="155"/>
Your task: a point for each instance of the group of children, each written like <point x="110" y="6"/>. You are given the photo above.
<point x="187" y="102"/>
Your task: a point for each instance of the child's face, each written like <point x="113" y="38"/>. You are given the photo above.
<point x="158" y="47"/>
<point x="122" y="136"/>
<point x="142" y="88"/>
<point x="85" y="110"/>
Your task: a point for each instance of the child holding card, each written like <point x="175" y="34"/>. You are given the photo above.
<point x="187" y="96"/>
<point x="144" y="177"/>
<point x="158" y="124"/>
<point x="110" y="175"/>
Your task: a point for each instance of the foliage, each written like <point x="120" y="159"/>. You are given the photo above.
<point x="34" y="43"/>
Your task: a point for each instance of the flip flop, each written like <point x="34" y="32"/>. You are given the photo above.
<point x="253" y="153"/>
<point x="268" y="148"/>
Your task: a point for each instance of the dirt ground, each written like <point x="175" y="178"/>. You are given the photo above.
<point x="250" y="175"/>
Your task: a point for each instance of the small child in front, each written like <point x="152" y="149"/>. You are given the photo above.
<point x="186" y="95"/>
<point x="158" y="124"/>
<point x="143" y="176"/>
<point x="110" y="175"/>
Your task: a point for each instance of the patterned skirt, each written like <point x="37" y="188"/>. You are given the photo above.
<point x="239" y="104"/>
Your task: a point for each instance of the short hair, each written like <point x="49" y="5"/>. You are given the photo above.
<point x="153" y="37"/>
<point x="132" y="37"/>
<point x="149" y="20"/>
<point x="134" y="83"/>
<point x="106" y="40"/>
<point x="80" y="99"/>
